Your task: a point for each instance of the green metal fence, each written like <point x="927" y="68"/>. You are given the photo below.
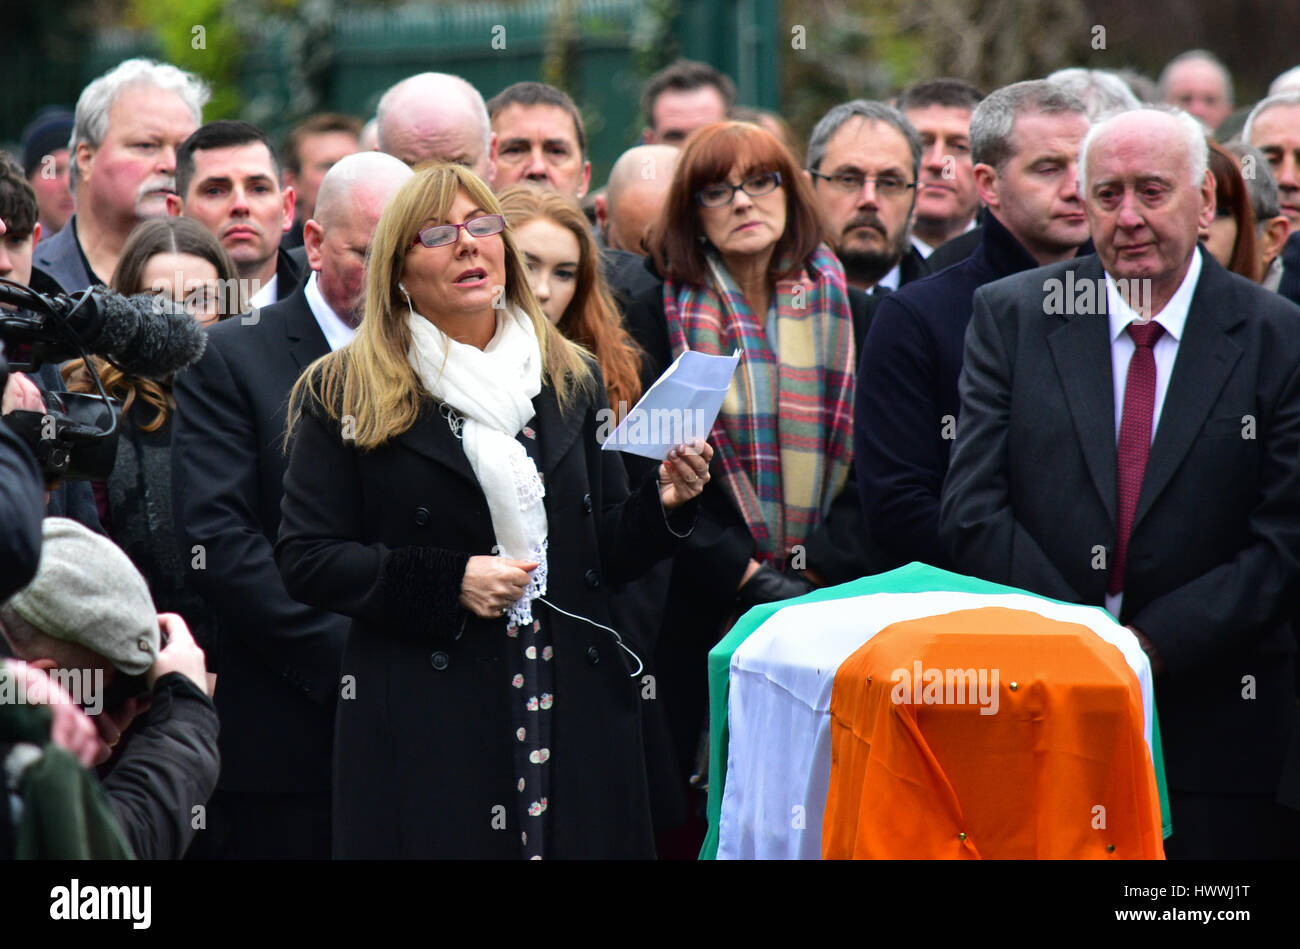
<point x="595" y="49"/>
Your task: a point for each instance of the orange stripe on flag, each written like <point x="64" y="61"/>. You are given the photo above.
<point x="993" y="733"/>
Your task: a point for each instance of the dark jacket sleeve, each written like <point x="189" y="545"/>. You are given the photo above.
<point x="168" y="768"/>
<point x="21" y="506"/>
<point x="636" y="531"/>
<point x="1209" y="615"/>
<point x="720" y="547"/>
<point x="976" y="518"/>
<point x="414" y="592"/>
<point x="897" y="431"/>
<point x="216" y="460"/>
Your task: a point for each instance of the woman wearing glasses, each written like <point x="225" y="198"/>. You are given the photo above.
<point x="739" y="246"/>
<point x="447" y="491"/>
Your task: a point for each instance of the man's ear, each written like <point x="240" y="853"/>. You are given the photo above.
<point x="986" y="184"/>
<point x="313" y="235"/>
<point x="586" y="180"/>
<point x="290" y="202"/>
<point x="602" y="212"/>
<point x="36" y="233"/>
<point x="1208" y="202"/>
<point x="1272" y="237"/>
<point x="85" y="159"/>
<point x="175" y="205"/>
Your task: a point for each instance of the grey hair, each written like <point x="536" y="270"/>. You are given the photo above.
<point x="1193" y="132"/>
<point x="994" y="119"/>
<point x="436" y="84"/>
<point x="1100" y="91"/>
<point x="872" y="111"/>
<point x="1196" y="55"/>
<point x="90" y="123"/>
<point x="1260" y="183"/>
<point x="1286" y="81"/>
<point x="1282" y="98"/>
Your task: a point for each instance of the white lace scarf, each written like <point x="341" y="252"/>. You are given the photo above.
<point x="493" y="388"/>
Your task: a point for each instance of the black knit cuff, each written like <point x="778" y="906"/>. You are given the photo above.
<point x="421" y="592"/>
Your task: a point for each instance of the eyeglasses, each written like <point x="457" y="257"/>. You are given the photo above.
<point x="887" y="185"/>
<point x="441" y="234"/>
<point x="720" y="195"/>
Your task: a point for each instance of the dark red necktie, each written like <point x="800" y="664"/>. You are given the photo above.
<point x="1134" y="440"/>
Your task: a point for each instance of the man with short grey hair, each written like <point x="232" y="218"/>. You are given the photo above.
<point x="863" y="162"/>
<point x="127" y="127"/>
<point x="1273" y="127"/>
<point x="438" y="117"/>
<point x="1271" y="225"/>
<point x="1129" y="437"/>
<point x="1198" y="81"/>
<point x="1025" y="144"/>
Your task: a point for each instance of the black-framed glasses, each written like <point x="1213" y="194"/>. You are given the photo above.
<point x="719" y="195"/>
<point x="887" y="185"/>
<point x="441" y="234"/>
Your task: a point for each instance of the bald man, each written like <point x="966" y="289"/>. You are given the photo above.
<point x="638" y="184"/>
<point x="438" y="117"/>
<point x="280" y="660"/>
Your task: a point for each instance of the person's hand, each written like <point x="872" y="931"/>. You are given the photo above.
<point x="180" y="654"/>
<point x="767" y="585"/>
<point x="71" y="729"/>
<point x="493" y="584"/>
<point x="684" y="473"/>
<point x="1148" y="647"/>
<point x="112" y="724"/>
<point x="21" y="393"/>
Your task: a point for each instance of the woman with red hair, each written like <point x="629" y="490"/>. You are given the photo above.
<point x="739" y="247"/>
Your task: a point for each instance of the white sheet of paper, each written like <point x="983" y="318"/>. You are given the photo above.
<point x="681" y="405"/>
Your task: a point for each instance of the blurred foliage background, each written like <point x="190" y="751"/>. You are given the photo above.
<point x="274" y="61"/>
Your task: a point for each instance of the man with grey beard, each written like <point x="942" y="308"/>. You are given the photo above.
<point x="863" y="162"/>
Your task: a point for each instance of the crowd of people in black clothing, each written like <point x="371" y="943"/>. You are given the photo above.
<point x="361" y="581"/>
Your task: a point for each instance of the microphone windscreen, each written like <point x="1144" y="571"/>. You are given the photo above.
<point x="147" y="334"/>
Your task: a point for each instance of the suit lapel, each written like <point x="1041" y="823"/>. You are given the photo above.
<point x="1206" y="357"/>
<point x="431" y="437"/>
<point x="556" y="433"/>
<point x="1081" y="351"/>
<point x="307" y="342"/>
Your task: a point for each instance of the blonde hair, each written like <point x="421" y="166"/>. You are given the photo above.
<point x="371" y="379"/>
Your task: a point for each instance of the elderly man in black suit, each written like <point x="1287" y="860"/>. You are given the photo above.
<point x="279" y="673"/>
<point x="1130" y="437"/>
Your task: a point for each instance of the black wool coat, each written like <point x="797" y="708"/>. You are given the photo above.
<point x="423" y="752"/>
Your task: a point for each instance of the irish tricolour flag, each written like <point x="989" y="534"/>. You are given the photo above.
<point x="924" y="714"/>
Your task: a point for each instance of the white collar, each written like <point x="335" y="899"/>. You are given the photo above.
<point x="1174" y="315"/>
<point x="337" y="332"/>
<point x="266" y="294"/>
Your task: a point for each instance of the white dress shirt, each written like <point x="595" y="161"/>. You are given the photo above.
<point x="337" y="333"/>
<point x="265" y="295"/>
<point x="1173" y="318"/>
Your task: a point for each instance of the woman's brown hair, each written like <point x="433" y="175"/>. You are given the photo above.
<point x="677" y="239"/>
<point x="591" y="319"/>
<point x="164" y="235"/>
<point x="1230" y="195"/>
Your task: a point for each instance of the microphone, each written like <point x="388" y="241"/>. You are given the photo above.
<point x="146" y="334"/>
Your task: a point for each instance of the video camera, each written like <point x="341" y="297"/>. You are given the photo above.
<point x="145" y="335"/>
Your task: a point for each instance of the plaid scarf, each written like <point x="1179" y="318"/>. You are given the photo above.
<point x="783" y="441"/>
